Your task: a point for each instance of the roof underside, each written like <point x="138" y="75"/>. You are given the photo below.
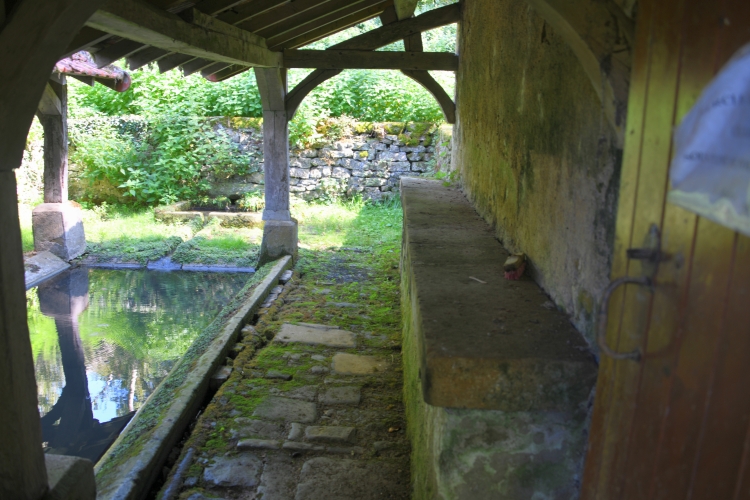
<point x="274" y="25"/>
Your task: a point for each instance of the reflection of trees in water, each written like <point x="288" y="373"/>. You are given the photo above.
<point x="134" y="325"/>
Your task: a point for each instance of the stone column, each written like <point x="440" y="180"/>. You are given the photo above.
<point x="279" y="230"/>
<point x="22" y="471"/>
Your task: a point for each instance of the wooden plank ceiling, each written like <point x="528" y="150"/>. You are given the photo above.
<point x="221" y="38"/>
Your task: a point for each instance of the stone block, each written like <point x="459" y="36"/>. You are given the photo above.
<point x="374" y="181"/>
<point x="354" y="364"/>
<point x="257" y="178"/>
<point x="69" y="478"/>
<point x="236" y="219"/>
<point x="340" y="173"/>
<point x="315" y="173"/>
<point x="330" y="434"/>
<point x="58" y="229"/>
<point x="419" y="166"/>
<point x="308" y="153"/>
<point x="299" y="173"/>
<point x="279" y="239"/>
<point x="322" y="335"/>
<point x="347" y="395"/>
<point x="325" y="478"/>
<point x="392" y="156"/>
<point x="497" y="385"/>
<point x="289" y="410"/>
<point x="400" y="166"/>
<point x="234" y="472"/>
<point x="303" y="163"/>
<point x="42" y="266"/>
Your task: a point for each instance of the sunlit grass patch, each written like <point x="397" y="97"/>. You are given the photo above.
<point x="217" y="245"/>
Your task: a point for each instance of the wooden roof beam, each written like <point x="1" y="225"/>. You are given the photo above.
<point x="321" y="10"/>
<point x="216" y="7"/>
<point x="194" y="33"/>
<point x="362" y="10"/>
<point x="123" y="48"/>
<point x="214" y="68"/>
<point x="367" y="59"/>
<point x="170" y="62"/>
<point x="331" y="28"/>
<point x="405" y="8"/>
<point x="249" y="10"/>
<point x="281" y="13"/>
<point x="229" y="72"/>
<point x="85" y="38"/>
<point x="380" y="37"/>
<point x="146" y="56"/>
<point x="195" y="65"/>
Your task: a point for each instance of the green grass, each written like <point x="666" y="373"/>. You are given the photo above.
<point x="217" y="245"/>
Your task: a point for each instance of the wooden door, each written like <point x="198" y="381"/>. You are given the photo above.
<point x="674" y="425"/>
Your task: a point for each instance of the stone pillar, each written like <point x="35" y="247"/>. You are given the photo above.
<point x="280" y="230"/>
<point x="58" y="229"/>
<point x="22" y="471"/>
<point x="54" y="119"/>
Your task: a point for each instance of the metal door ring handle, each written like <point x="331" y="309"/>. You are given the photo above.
<point x="603" y="316"/>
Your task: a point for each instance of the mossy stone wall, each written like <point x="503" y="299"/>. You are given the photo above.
<point x="536" y="154"/>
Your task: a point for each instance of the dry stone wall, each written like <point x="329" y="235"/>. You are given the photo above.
<point x="369" y="164"/>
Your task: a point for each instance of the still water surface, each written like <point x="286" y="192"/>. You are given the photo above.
<point x="102" y="341"/>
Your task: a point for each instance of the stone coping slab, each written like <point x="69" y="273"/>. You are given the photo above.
<point x="133" y="462"/>
<point x="41" y="267"/>
<point x="180" y="212"/>
<point x="483" y="341"/>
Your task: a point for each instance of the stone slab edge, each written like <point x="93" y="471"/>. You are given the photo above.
<point x="133" y="479"/>
<point x="47" y="273"/>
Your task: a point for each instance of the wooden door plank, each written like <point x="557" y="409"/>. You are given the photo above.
<point x="665" y="340"/>
<point x="650" y="196"/>
<point x="676" y="448"/>
<point x="716" y="467"/>
<point x="637" y="102"/>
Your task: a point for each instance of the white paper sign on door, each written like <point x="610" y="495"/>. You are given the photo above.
<point x="710" y="171"/>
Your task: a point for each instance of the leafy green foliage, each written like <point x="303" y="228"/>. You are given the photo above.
<point x="156" y="161"/>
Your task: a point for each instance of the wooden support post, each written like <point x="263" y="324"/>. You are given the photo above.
<point x="56" y="146"/>
<point x="22" y="471"/>
<point x="280" y="230"/>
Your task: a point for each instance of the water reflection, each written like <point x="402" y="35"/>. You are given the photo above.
<point x="104" y="339"/>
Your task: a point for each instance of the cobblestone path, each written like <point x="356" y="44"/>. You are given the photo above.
<point x="311" y="408"/>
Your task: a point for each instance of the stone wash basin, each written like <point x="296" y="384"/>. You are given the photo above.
<point x="182" y="211"/>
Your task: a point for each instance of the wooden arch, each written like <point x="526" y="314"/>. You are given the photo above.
<point x="601" y="35"/>
<point x="409" y="30"/>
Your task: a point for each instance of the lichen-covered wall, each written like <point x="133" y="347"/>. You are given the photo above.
<point x="535" y="152"/>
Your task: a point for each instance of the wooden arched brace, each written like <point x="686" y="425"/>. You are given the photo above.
<point x="601" y="36"/>
<point x="299" y="92"/>
<point x="438" y="92"/>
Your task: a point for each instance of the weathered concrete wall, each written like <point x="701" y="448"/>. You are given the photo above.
<point x="535" y="152"/>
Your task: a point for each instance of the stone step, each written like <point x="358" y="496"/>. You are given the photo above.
<point x="354" y="364"/>
<point x="315" y="335"/>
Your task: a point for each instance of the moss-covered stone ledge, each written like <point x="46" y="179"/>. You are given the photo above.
<point x="130" y="466"/>
<point x="497" y="381"/>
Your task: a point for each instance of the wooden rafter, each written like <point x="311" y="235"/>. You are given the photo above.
<point x="331" y="7"/>
<point x="280" y="14"/>
<point x="367" y="59"/>
<point x="361" y="10"/>
<point x="248" y="10"/>
<point x="195" y="65"/>
<point x="199" y="36"/>
<point x="215" y="7"/>
<point x="85" y="38"/>
<point x="334" y="27"/>
<point x="214" y="68"/>
<point x="123" y="48"/>
<point x="170" y="62"/>
<point x="146" y="56"/>
<point x="226" y="73"/>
